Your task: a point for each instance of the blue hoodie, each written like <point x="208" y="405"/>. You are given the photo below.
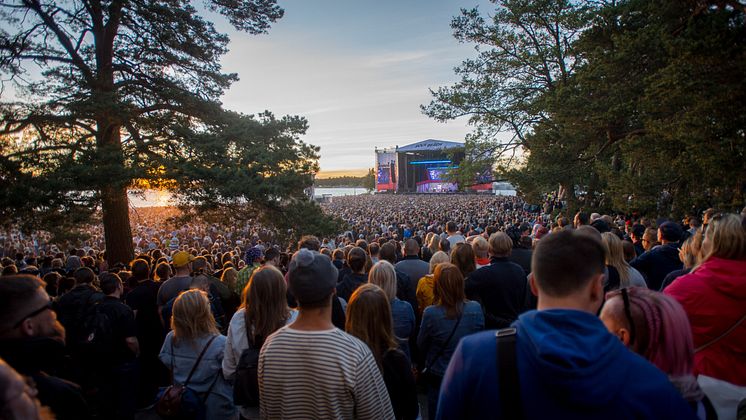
<point x="569" y="366"/>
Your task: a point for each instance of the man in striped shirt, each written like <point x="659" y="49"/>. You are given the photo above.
<point x="310" y="369"/>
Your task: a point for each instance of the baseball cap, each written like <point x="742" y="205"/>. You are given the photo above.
<point x="311" y="276"/>
<point x="181" y="258"/>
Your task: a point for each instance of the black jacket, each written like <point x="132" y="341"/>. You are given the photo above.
<point x="350" y="282"/>
<point x="672" y="276"/>
<point x="522" y="257"/>
<point x="400" y="384"/>
<point x="639" y="249"/>
<point x="406" y="288"/>
<point x="71" y="308"/>
<point x="657" y="263"/>
<point x="40" y="359"/>
<point x="502" y="289"/>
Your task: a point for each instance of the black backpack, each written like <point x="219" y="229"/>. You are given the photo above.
<point x="95" y="335"/>
<point x="246" y="382"/>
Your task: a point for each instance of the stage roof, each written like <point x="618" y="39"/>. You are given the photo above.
<point x="431" y="145"/>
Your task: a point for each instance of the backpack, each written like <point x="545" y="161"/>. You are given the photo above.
<point x="95" y="335"/>
<point x="246" y="382"/>
<point x="178" y="401"/>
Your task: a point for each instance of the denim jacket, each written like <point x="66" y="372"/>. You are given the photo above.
<point x="208" y="376"/>
<point x="403" y="316"/>
<point x="436" y="328"/>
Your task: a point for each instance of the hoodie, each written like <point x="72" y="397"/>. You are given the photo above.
<point x="569" y="366"/>
<point x="714" y="298"/>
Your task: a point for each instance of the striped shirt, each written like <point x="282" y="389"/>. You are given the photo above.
<point x="322" y="375"/>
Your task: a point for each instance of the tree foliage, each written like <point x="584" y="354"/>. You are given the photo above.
<point x="648" y="116"/>
<point x="120" y="93"/>
<point x="368" y="181"/>
<point x="524" y="50"/>
<point x="341" y="181"/>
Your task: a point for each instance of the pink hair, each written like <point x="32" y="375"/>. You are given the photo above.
<point x="665" y="336"/>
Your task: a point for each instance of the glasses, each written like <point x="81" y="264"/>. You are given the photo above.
<point x="628" y="314"/>
<point x="48" y="306"/>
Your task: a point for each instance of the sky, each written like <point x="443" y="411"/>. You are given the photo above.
<point x="357" y="70"/>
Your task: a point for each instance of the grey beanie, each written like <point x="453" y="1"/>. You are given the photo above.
<point x="311" y="276"/>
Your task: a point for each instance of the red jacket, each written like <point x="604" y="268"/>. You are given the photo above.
<point x="714" y="298"/>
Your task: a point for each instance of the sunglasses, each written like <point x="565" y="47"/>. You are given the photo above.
<point x="46" y="307"/>
<point x="628" y="314"/>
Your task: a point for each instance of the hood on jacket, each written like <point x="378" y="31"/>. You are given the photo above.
<point x="730" y="276"/>
<point x="572" y="356"/>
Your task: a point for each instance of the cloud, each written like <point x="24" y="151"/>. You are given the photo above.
<point x="397" y="58"/>
<point x="354" y="98"/>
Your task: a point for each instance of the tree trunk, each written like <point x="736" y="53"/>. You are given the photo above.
<point x="114" y="201"/>
<point x="570" y="198"/>
<point x="115" y="206"/>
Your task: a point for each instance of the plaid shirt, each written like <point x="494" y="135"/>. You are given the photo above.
<point x="243" y="277"/>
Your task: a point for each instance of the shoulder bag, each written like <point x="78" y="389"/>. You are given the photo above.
<point x="178" y="401"/>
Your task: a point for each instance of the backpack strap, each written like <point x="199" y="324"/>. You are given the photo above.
<point x="509" y="386"/>
<point x="199" y="359"/>
<point x="255" y="341"/>
<point x="173" y="356"/>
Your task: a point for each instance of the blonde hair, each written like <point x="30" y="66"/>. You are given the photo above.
<point x="690" y="251"/>
<point x="383" y="275"/>
<point x="369" y="318"/>
<point x="725" y="238"/>
<point x="651" y="236"/>
<point x="437" y="258"/>
<point x="481" y="247"/>
<point x="428" y="239"/>
<point x="191" y="317"/>
<point x="615" y="257"/>
<point x="433" y="242"/>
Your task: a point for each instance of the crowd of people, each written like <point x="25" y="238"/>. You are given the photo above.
<point x="433" y="307"/>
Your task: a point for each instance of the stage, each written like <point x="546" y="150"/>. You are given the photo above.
<point x="421" y="167"/>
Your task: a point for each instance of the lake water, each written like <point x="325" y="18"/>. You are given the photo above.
<point x="338" y="192"/>
<point x="150" y="198"/>
<point x="154" y="198"/>
<point x="505" y="192"/>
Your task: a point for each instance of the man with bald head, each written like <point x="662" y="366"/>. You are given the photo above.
<point x="32" y="341"/>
